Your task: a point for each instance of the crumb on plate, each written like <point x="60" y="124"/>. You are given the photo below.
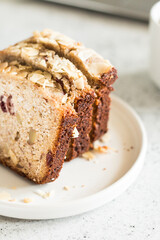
<point x="27" y="200"/>
<point x="66" y="188"/>
<point x="88" y="155"/>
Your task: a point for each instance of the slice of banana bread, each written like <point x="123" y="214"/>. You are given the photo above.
<point x="99" y="72"/>
<point x="74" y="84"/>
<point x="35" y="124"/>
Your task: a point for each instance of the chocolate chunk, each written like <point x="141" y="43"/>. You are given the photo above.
<point x="7" y="106"/>
<point x="3" y="104"/>
<point x="17" y="136"/>
<point x="10" y="105"/>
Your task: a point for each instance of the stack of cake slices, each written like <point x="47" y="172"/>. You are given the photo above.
<point x="54" y="103"/>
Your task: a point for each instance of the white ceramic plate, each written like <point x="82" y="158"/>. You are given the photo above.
<point x="90" y="183"/>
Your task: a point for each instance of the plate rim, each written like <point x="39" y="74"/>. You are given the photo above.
<point x="101" y="197"/>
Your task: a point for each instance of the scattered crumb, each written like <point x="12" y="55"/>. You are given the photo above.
<point x="13" y="188"/>
<point x="83" y="185"/>
<point x="102" y="149"/>
<point x="88" y="155"/>
<point x="44" y="194"/>
<point x="27" y="200"/>
<point x="104" y="169"/>
<point x="5" y="196"/>
<point x="12" y="200"/>
<point x="113" y="149"/>
<point x="74" y="186"/>
<point x="66" y="188"/>
<point x="97" y="147"/>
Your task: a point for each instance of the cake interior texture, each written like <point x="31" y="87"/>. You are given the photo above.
<point x="30" y="128"/>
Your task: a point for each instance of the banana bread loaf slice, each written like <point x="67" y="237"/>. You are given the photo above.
<point x="74" y="84"/>
<point x="35" y="124"/>
<point x="99" y="72"/>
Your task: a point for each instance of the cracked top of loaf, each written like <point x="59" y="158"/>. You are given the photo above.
<point x="91" y="62"/>
<point x="37" y="55"/>
<point x="56" y="60"/>
<point x="49" y="86"/>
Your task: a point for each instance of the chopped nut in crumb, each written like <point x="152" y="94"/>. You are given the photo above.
<point x="27" y="200"/>
<point x="75" y="133"/>
<point x="32" y="136"/>
<point x="88" y="155"/>
<point x="66" y="188"/>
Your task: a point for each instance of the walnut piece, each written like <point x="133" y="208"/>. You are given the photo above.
<point x="32" y="136"/>
<point x="75" y="133"/>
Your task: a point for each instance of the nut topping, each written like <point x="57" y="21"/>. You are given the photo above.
<point x="30" y="51"/>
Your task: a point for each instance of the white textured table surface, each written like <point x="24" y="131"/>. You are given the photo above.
<point x="136" y="213"/>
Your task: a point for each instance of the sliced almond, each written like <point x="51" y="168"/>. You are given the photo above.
<point x="35" y="77"/>
<point x="29" y="51"/>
